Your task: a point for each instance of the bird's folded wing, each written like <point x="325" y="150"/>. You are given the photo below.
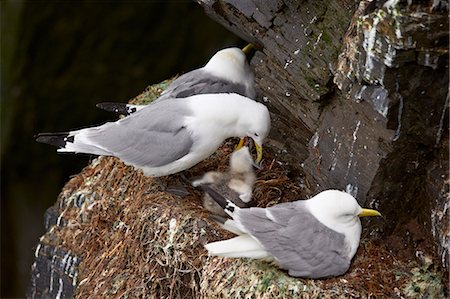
<point x="153" y="136"/>
<point x="200" y="82"/>
<point x="297" y="240"/>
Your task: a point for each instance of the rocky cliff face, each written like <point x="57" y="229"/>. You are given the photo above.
<point x="358" y="94"/>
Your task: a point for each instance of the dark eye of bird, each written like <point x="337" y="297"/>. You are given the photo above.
<point x="256" y="134"/>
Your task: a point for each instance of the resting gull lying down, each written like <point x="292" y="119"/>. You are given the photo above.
<point x="227" y="71"/>
<point x="312" y="238"/>
<point x="170" y="136"/>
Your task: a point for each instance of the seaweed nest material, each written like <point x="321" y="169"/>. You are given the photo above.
<point x="143" y="237"/>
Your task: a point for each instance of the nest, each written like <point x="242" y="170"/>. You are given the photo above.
<point x="143" y="237"/>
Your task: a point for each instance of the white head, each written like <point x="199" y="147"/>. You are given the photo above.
<point x="340" y="212"/>
<point x="241" y="160"/>
<point x="231" y="64"/>
<point x="224" y="115"/>
<point x="258" y="127"/>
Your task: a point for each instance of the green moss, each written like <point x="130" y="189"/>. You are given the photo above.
<point x="424" y="282"/>
<point x="265" y="282"/>
<point x="327" y="38"/>
<point x="151" y="93"/>
<point x="310" y="81"/>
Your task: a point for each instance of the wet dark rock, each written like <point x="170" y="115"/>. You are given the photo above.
<point x="358" y="98"/>
<point x="54" y="273"/>
<point x="51" y="218"/>
<point x="295" y="64"/>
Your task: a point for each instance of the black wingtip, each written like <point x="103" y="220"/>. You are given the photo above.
<point x="216" y="196"/>
<point x="119" y="108"/>
<point x="56" y="139"/>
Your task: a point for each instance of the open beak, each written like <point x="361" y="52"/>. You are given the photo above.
<point x="241" y="143"/>
<point x="369" y="212"/>
<point x="259" y="153"/>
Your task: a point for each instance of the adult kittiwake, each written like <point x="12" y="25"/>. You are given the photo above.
<point x="236" y="184"/>
<point x="227" y="71"/>
<point x="312" y="238"/>
<point x="171" y="136"/>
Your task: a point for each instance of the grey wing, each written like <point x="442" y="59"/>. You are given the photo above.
<point x="297" y="240"/>
<point x="153" y="136"/>
<point x="201" y="82"/>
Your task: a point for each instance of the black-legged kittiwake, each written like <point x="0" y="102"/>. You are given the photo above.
<point x="236" y="184"/>
<point x="171" y="136"/>
<point x="228" y="71"/>
<point x="312" y="238"/>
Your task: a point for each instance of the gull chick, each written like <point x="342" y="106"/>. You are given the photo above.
<point x="236" y="184"/>
<point x="227" y="71"/>
<point x="312" y="238"/>
<point x="170" y="136"/>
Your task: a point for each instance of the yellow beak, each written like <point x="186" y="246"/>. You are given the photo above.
<point x="259" y="153"/>
<point x="248" y="48"/>
<point x="369" y="212"/>
<point x="241" y="143"/>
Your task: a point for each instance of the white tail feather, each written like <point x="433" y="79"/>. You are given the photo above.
<point x="232" y="226"/>
<point x="241" y="246"/>
<point x="82" y="144"/>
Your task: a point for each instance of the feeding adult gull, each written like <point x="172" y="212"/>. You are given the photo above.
<point x="171" y="136"/>
<point x="227" y="71"/>
<point x="235" y="184"/>
<point x="312" y="238"/>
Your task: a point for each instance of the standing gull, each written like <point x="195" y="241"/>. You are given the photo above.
<point x="312" y="238"/>
<point x="170" y="136"/>
<point x="227" y="71"/>
<point x="236" y="184"/>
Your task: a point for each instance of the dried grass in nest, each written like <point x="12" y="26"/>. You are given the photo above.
<point x="137" y="240"/>
<point x="375" y="273"/>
